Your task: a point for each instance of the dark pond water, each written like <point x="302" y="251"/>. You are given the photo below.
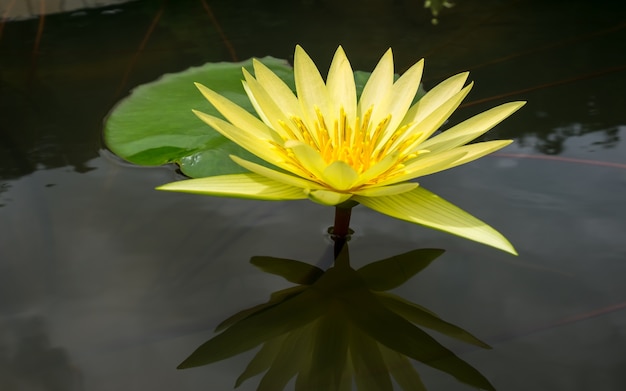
<point x="106" y="284"/>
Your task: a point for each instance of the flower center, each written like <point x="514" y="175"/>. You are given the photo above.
<point x="360" y="144"/>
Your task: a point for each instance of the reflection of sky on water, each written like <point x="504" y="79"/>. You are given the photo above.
<point x="28" y="361"/>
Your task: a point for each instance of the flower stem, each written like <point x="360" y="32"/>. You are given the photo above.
<point x="341" y="232"/>
<point x="341" y="229"/>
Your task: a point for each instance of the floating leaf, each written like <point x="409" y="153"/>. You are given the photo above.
<point x="155" y="125"/>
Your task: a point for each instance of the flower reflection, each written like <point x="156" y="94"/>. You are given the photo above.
<point x="340" y="326"/>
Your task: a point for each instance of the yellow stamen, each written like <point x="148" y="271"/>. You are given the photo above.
<point x="360" y="145"/>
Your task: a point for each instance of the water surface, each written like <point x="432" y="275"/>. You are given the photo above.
<point x="106" y="284"/>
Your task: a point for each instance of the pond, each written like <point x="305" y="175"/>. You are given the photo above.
<point x="107" y="284"/>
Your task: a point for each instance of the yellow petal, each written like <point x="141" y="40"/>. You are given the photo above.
<point x="259" y="146"/>
<point x="252" y="186"/>
<point x="427" y="126"/>
<point x="268" y="109"/>
<point x="276" y="175"/>
<point x="402" y="94"/>
<point x="277" y="89"/>
<point x="424" y="165"/>
<point x="340" y="175"/>
<point x="312" y="92"/>
<point x="255" y="104"/>
<point x="236" y="115"/>
<point x="377" y="90"/>
<point x="471" y="128"/>
<point x="328" y="197"/>
<point x="476" y="151"/>
<point x="413" y="132"/>
<point x="423" y="207"/>
<point x="452" y="158"/>
<point x="379" y="191"/>
<point x="310" y="159"/>
<point x="377" y="169"/>
<point x="341" y="87"/>
<point x="434" y="98"/>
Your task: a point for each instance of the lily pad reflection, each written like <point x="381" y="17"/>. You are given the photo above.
<point x="340" y="327"/>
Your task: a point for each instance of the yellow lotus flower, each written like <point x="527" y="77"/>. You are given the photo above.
<point x="329" y="147"/>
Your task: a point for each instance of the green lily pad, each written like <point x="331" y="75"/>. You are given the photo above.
<point x="155" y="125"/>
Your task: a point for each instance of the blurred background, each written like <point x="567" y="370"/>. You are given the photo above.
<point x="106" y="284"/>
